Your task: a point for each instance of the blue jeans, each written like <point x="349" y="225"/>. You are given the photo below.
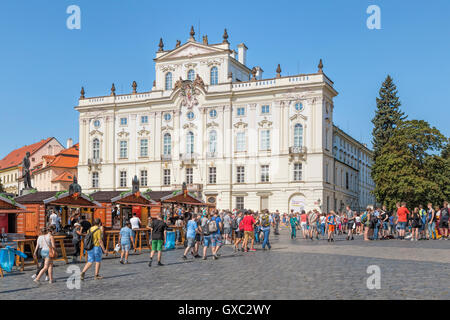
<point x="432" y="229"/>
<point x="266" y="238"/>
<point x="375" y="231"/>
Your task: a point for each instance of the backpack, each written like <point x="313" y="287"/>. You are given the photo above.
<point x="89" y="240"/>
<point x="265" y="222"/>
<point x="234" y="224"/>
<point x="364" y="217"/>
<point x="210" y="227"/>
<point x="444" y="214"/>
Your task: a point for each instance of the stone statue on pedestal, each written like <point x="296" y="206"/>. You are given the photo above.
<point x="26" y="174"/>
<point x="74" y="187"/>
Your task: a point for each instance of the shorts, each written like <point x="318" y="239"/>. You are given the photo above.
<point x="313" y="226"/>
<point x="443" y="224"/>
<point x="249" y="235"/>
<point x="95" y="255"/>
<point x="401" y="225"/>
<point x="207" y="240"/>
<point x="239" y="234"/>
<point x="45" y="253"/>
<point x="350" y="225"/>
<point x="198" y="237"/>
<point x="331" y="227"/>
<point x="304" y="225"/>
<point x="385" y="226"/>
<point x="157" y="245"/>
<point x="126" y="246"/>
<point x="190" y="242"/>
<point x="217" y="240"/>
<point x="227" y="231"/>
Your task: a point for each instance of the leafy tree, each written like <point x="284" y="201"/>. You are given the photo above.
<point x="408" y="169"/>
<point x="387" y="115"/>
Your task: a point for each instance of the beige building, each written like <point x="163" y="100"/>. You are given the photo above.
<point x="217" y="124"/>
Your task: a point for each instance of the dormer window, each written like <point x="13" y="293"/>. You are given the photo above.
<point x="191" y="75"/>
<point x="169" y="81"/>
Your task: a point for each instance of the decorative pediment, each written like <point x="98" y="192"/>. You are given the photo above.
<point x="94" y="132"/>
<point x="212" y="124"/>
<point x="123" y="133"/>
<point x="168" y="67"/>
<point x="189" y="126"/>
<point x="190" y="65"/>
<point x="298" y="116"/>
<point x="144" y="132"/>
<point x="166" y="128"/>
<point x="189" y="50"/>
<point x="212" y="62"/>
<point x="240" y="125"/>
<point x="265" y="123"/>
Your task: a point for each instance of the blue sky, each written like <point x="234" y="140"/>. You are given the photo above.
<point x="43" y="64"/>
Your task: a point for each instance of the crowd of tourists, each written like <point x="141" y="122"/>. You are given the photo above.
<point x="210" y="231"/>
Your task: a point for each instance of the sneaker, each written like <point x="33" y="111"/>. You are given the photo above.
<point x="126" y="262"/>
<point x="37" y="282"/>
<point x="33" y="276"/>
<point x="184" y="258"/>
<point x="82" y="276"/>
<point x="121" y="262"/>
<point x="218" y="254"/>
<point x="204" y="258"/>
<point x="150" y="263"/>
<point x="197" y="256"/>
<point x="412" y="239"/>
<point x="252" y="249"/>
<point x="46" y="278"/>
<point x="353" y="238"/>
<point x="215" y="258"/>
<point x="160" y="264"/>
<point x="98" y="277"/>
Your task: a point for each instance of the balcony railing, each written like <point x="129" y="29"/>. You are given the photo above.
<point x="211" y="155"/>
<point x="188" y="157"/>
<point x="94" y="161"/>
<point x="297" y="150"/>
<point x="166" y="157"/>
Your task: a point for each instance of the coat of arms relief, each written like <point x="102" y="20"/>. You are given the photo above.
<point x="189" y="91"/>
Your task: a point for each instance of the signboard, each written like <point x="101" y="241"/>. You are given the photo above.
<point x="297" y="203"/>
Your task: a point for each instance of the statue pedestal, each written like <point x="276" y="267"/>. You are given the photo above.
<point x="26" y="191"/>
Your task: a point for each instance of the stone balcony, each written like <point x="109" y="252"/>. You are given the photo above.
<point x="166" y="157"/>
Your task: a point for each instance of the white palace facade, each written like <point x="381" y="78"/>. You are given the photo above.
<point x="238" y="140"/>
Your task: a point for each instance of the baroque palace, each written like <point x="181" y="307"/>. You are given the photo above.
<point x="237" y="140"/>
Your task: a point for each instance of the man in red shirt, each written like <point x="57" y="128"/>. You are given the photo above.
<point x="402" y="216"/>
<point x="248" y="223"/>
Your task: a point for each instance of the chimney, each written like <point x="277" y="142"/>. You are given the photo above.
<point x="259" y="73"/>
<point x="69" y="143"/>
<point x="242" y="53"/>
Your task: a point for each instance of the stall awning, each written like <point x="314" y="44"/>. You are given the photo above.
<point x="133" y="199"/>
<point x="9" y="205"/>
<point x="76" y="200"/>
<point x="182" y="198"/>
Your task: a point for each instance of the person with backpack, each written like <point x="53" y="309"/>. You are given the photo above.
<point x="293" y="222"/>
<point x="365" y="220"/>
<point x="276" y="219"/>
<point x="265" y="222"/>
<point x="248" y="224"/>
<point x="217" y="234"/>
<point x="238" y="228"/>
<point x="208" y="227"/>
<point x="350" y="215"/>
<point x="77" y="235"/>
<point x="191" y="232"/>
<point x="423" y="225"/>
<point x="93" y="244"/>
<point x="158" y="229"/>
<point x="312" y="220"/>
<point x="227" y="231"/>
<point x="331" y="223"/>
<point x="443" y="221"/>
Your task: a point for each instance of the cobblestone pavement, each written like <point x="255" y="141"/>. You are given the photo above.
<point x="293" y="269"/>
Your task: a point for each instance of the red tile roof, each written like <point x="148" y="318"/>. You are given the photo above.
<point x="64" y="177"/>
<point x="68" y="158"/>
<point x="15" y="157"/>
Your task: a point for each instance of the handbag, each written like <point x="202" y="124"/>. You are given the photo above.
<point x="52" y="254"/>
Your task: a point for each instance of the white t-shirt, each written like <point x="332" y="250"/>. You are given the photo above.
<point x="135" y="221"/>
<point x="322" y="219"/>
<point x="43" y="242"/>
<point x="53" y="219"/>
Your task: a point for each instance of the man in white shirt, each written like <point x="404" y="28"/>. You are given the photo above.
<point x="135" y="222"/>
<point x="53" y="218"/>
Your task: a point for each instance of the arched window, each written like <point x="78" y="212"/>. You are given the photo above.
<point x="167" y="144"/>
<point x="212" y="141"/>
<point x="214" y="76"/>
<point x="191" y="75"/>
<point x="169" y="81"/>
<point x="96" y="149"/>
<point x="190" y="142"/>
<point x="298" y="135"/>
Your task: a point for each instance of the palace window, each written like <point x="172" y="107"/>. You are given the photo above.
<point x="213" y="113"/>
<point x="212" y="175"/>
<point x="297" y="172"/>
<point x="265" y="140"/>
<point x="166" y="177"/>
<point x="298" y="135"/>
<point x="123" y="178"/>
<point x="214" y="76"/>
<point x="213" y="141"/>
<point x="123" y="121"/>
<point x="240" y="203"/>
<point x="96" y="149"/>
<point x="190" y="115"/>
<point x="123" y="149"/>
<point x="144" y="119"/>
<point x="169" y="81"/>
<point x="96" y="123"/>
<point x="190" y="142"/>
<point x="191" y="75"/>
<point x="144" y="147"/>
<point x="265" y="173"/>
<point x="189" y="175"/>
<point x="265" y="109"/>
<point x="240" y="174"/>
<point x="143" y="178"/>
<point x="167" y="116"/>
<point x="241" y="111"/>
<point x="167" y="144"/>
<point x="299" y="106"/>
<point x="94" y="179"/>
<point x="240" y="142"/>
